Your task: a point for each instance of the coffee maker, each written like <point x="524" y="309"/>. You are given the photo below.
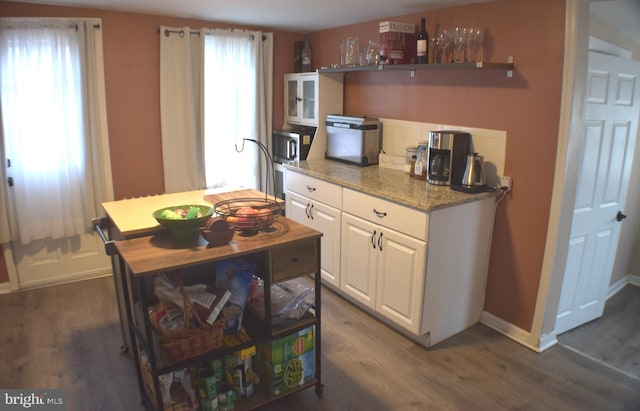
<point x="446" y="159"/>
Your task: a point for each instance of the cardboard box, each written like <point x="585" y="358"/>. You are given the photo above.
<point x="288" y="362"/>
<point x="397" y="42"/>
<point x="239" y="372"/>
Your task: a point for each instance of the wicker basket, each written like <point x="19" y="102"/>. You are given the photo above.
<point x="191" y="342"/>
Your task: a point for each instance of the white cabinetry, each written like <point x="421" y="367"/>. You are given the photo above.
<point x="421" y="272"/>
<point x="382" y="267"/>
<point x="317" y="204"/>
<point x="309" y="97"/>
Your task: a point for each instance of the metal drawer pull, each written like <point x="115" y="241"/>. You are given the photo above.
<point x="380" y="241"/>
<point x="380" y="214"/>
<point x="311" y="189"/>
<point x="373" y="239"/>
<point x="311" y="212"/>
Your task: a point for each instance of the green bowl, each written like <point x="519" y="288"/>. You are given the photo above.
<point x="184" y="229"/>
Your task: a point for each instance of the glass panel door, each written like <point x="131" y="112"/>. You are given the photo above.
<point x="292" y="98"/>
<point x="309" y="99"/>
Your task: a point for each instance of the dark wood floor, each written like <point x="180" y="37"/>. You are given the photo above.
<point x="613" y="339"/>
<point x="69" y="337"/>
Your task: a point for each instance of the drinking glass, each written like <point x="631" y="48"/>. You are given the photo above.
<point x="444" y="47"/>
<point x="474" y="44"/>
<point x="459" y="44"/>
<point x="352" y="52"/>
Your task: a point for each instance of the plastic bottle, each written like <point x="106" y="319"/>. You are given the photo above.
<point x="420" y="168"/>
<point x="306" y="55"/>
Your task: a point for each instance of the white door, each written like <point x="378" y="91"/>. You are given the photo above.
<point x="359" y="259"/>
<point x="400" y="279"/>
<point x="46" y="262"/>
<point x="611" y="122"/>
<point x="325" y="219"/>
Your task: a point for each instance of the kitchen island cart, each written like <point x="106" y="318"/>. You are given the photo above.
<point x="288" y="251"/>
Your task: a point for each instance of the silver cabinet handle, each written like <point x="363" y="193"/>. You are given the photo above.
<point x="380" y="241"/>
<point x="311" y="189"/>
<point x="373" y="239"/>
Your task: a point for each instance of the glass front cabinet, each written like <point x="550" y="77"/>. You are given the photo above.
<point x="301" y="105"/>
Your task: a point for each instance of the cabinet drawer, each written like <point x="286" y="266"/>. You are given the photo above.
<point x="292" y="260"/>
<point x="314" y="188"/>
<point x="395" y="216"/>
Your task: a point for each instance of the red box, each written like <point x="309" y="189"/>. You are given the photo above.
<point x="397" y="42"/>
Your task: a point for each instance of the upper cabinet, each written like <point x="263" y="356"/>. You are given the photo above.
<point x="309" y="97"/>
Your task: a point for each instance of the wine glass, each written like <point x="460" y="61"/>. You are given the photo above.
<point x="459" y="44"/>
<point x="444" y="42"/>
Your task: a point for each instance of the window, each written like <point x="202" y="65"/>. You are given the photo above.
<point x="54" y="124"/>
<point x="230" y="99"/>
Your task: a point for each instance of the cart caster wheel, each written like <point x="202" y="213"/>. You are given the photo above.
<point x="319" y="389"/>
<point x="124" y="348"/>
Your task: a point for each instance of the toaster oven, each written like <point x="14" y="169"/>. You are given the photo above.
<point x="355" y="140"/>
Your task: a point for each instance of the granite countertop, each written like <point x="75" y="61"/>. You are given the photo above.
<point x="389" y="184"/>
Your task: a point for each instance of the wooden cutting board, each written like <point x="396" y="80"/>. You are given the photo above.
<point x="133" y="217"/>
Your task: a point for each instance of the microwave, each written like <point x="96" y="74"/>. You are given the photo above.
<point x="292" y="145"/>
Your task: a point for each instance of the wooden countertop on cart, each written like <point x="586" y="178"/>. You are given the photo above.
<point x="158" y="252"/>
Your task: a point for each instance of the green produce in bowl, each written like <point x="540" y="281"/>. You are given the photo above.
<point x="181" y="214"/>
<point x="184" y="221"/>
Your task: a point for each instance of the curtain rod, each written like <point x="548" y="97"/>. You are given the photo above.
<point x="167" y="32"/>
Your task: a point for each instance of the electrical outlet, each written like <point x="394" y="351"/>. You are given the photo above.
<point x="506" y="182"/>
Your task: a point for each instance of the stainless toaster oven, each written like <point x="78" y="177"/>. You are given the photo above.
<point x="355" y="140"/>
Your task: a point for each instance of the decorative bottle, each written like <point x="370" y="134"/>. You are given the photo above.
<point x="306" y="55"/>
<point x="422" y="43"/>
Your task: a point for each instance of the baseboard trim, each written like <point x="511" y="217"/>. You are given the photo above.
<point x="509" y="330"/>
<point x="5" y="288"/>
<point x="550" y="339"/>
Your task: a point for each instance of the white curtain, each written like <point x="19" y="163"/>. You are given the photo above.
<point x="202" y="134"/>
<point x="53" y="128"/>
<point x="265" y="106"/>
<point x="181" y="105"/>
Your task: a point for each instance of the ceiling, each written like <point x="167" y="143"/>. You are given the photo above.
<point x="307" y="16"/>
<point x="303" y="16"/>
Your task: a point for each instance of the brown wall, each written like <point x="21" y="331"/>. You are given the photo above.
<point x="527" y="106"/>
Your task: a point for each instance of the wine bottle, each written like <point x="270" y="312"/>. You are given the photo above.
<point x="422" y="43"/>
<point x="306" y="55"/>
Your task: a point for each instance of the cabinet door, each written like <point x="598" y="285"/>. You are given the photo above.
<point x="292" y="98"/>
<point x="309" y="88"/>
<point x="359" y="259"/>
<point x="400" y="279"/>
<point x="301" y="92"/>
<point x="296" y="207"/>
<point x="325" y="219"/>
